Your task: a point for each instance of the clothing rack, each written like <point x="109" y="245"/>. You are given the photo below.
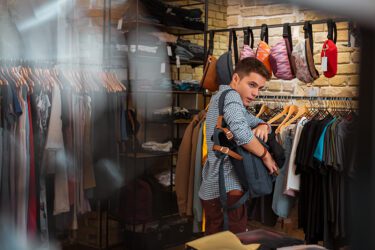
<point x="46" y="63"/>
<point x="322" y="21"/>
<point x="308" y="98"/>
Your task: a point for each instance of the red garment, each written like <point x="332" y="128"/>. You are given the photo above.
<point x="32" y="213"/>
<point x="330" y="51"/>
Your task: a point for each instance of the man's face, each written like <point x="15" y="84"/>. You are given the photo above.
<point x="248" y="87"/>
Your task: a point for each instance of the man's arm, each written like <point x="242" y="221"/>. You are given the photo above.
<point x="243" y="135"/>
<point x="256" y="148"/>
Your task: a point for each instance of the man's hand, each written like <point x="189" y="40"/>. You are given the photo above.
<point x="261" y="131"/>
<point x="270" y="163"/>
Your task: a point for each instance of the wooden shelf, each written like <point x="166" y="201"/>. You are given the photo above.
<point x="145" y="155"/>
<point x="152" y="91"/>
<point x="130" y="24"/>
<point x="169" y="121"/>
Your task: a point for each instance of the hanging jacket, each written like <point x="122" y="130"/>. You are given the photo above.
<point x="185" y="167"/>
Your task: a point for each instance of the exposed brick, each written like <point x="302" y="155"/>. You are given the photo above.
<point x="321" y="81"/>
<point x="338" y="80"/>
<point x="214" y="8"/>
<point x="233" y="10"/>
<point x="223" y="9"/>
<point x="234" y="2"/>
<point x="252" y="11"/>
<point x="221" y="24"/>
<point x="348" y="69"/>
<point x="320" y="37"/>
<point x="248" y="22"/>
<point x="274" y="10"/>
<point x="219" y="15"/>
<point x="269" y="21"/>
<point x="185" y="76"/>
<point x="223" y="46"/>
<point x="342" y="26"/>
<point x="223" y="39"/>
<point x="318" y="27"/>
<point x="273" y="86"/>
<point x="353" y="80"/>
<point x="338" y="91"/>
<point x="275" y="32"/>
<point x="342" y="48"/>
<point x="288" y="19"/>
<point x="343" y="57"/>
<point x="356" y="57"/>
<point x="232" y="21"/>
<point x="311" y="15"/>
<point x="288" y="86"/>
<point x="211" y="14"/>
<point x="317" y="59"/>
<point x="342" y="35"/>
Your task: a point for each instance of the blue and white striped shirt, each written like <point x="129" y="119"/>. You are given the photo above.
<point x="240" y="122"/>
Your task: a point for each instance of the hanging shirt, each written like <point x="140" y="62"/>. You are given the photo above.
<point x="55" y="136"/>
<point x="318" y="153"/>
<point x="293" y="179"/>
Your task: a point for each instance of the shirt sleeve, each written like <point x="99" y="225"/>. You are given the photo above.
<point x="235" y="118"/>
<point x="254" y="121"/>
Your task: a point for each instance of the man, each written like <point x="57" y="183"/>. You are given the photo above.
<point x="248" y="79"/>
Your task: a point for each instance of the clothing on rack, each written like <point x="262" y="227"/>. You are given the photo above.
<point x="45" y="144"/>
<point x="185" y="167"/>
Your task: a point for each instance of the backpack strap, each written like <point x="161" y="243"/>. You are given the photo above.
<point x="307" y="27"/>
<point x="332" y="30"/>
<point x="221" y="152"/>
<point x="287" y="33"/>
<point x="248" y="37"/>
<point x="264" y="33"/>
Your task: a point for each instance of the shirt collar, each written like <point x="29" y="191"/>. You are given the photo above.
<point x="224" y="87"/>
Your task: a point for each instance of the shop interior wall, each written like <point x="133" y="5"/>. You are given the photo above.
<point x="241" y="13"/>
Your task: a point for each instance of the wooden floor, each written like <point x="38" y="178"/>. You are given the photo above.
<point x="288" y="226"/>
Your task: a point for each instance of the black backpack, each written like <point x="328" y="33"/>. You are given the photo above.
<point x="250" y="170"/>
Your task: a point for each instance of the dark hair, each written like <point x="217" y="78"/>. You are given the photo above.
<point x="249" y="65"/>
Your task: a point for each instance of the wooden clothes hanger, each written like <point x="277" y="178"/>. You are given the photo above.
<point x="119" y="82"/>
<point x="301" y="111"/>
<point x="2" y="76"/>
<point x="263" y="109"/>
<point x="293" y="109"/>
<point x="280" y="115"/>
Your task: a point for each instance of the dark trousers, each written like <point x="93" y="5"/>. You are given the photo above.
<point x="214" y="215"/>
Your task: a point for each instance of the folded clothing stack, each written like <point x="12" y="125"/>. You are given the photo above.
<point x="175" y="16"/>
<point x="186" y="85"/>
<point x="167" y="113"/>
<point x="156" y="146"/>
<point x="164" y="178"/>
<point x="187" y="51"/>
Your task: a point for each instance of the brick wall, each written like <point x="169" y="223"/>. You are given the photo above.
<point x="241" y="13"/>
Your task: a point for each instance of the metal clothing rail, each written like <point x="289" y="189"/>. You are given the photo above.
<point x="322" y="21"/>
<point x="308" y="98"/>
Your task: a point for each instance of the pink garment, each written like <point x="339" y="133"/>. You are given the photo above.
<point x="246" y="51"/>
